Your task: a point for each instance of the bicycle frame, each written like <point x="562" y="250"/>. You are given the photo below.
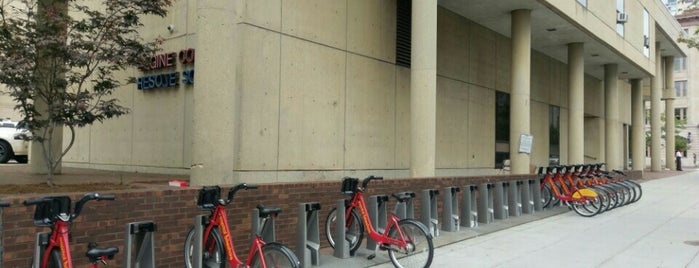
<point x="59" y="238"/>
<point x="219" y="219"/>
<point x="359" y="203"/>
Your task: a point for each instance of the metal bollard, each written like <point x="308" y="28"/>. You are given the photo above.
<point x="308" y="234"/>
<point x="469" y="213"/>
<point x="429" y="211"/>
<point x="140" y="242"/>
<point x="342" y="247"/>
<point x="485" y="203"/>
<point x="378" y="216"/>
<point x="500" y="201"/>
<point x="527" y="201"/>
<point x="514" y="199"/>
<point x="450" y="210"/>
<point x="404" y="207"/>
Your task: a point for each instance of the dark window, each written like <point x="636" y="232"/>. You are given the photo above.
<point x="403" y="28"/>
<point x="554" y="134"/>
<point x="502" y="128"/>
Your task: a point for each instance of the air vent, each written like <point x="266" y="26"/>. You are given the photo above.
<point x="622" y="17"/>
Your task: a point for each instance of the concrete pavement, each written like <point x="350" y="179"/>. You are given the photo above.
<point x="661" y="230"/>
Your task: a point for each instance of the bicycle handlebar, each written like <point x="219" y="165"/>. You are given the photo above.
<point x="87" y="197"/>
<point x="4" y="204"/>
<point x="243" y="186"/>
<point x="366" y="180"/>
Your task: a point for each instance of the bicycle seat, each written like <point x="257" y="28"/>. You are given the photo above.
<point x="95" y="254"/>
<point x="268" y="211"/>
<point x="403" y="196"/>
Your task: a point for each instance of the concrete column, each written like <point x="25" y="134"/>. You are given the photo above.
<point x="612" y="128"/>
<point x="576" y="103"/>
<point x="215" y="102"/>
<point x="423" y="88"/>
<point x="669" y="96"/>
<point x="655" y="92"/>
<point x="638" y="137"/>
<point x="520" y="106"/>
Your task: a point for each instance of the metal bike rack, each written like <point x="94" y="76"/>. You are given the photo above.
<point x="140" y="242"/>
<point x="469" y="213"/>
<point x="514" y="198"/>
<point x="527" y="198"/>
<point x="450" y="210"/>
<point x="341" y="244"/>
<point x="263" y="227"/>
<point x="198" y="241"/>
<point x="485" y="203"/>
<point x="378" y="217"/>
<point x="404" y="208"/>
<point x="429" y="211"/>
<point x="500" y="201"/>
<point x="308" y="234"/>
<point x="536" y="194"/>
<point x="40" y="243"/>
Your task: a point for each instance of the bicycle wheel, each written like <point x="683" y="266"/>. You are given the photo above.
<point x="546" y="196"/>
<point x="354" y="230"/>
<point x="587" y="208"/>
<point x="276" y="255"/>
<point x="419" y="249"/>
<point x="213" y="254"/>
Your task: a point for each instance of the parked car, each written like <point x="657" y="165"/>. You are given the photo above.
<point x="13" y="142"/>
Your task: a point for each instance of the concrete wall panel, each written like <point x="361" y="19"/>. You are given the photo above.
<point x="371" y="28"/>
<point x="322" y="21"/>
<point x="452" y="123"/>
<point x="402" y="118"/>
<point x="312" y="106"/>
<point x="540" y="131"/>
<point x="482" y="66"/>
<point x="263" y="13"/>
<point x="259" y="100"/>
<point x="481" y="128"/>
<point x="503" y="57"/>
<point x="370" y="114"/>
<point x="594" y="96"/>
<point x="453" y="44"/>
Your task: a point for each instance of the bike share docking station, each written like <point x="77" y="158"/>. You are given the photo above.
<point x="485" y="203"/>
<point x="450" y="210"/>
<point x="140" y="248"/>
<point x="263" y="219"/>
<point x="404" y="207"/>
<point x="500" y="202"/>
<point x="429" y="211"/>
<point x="469" y="213"/>
<point x="308" y="234"/>
<point x="342" y="246"/>
<point x="378" y="217"/>
<point x="198" y="241"/>
<point x="514" y="198"/>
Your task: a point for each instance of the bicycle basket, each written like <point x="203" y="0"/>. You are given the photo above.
<point x="349" y="185"/>
<point x="208" y="197"/>
<point x="46" y="212"/>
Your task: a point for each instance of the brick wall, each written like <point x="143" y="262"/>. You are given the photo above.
<point x="174" y="210"/>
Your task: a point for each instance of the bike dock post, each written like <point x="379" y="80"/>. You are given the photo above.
<point x="514" y="198"/>
<point x="500" y="201"/>
<point x="341" y="244"/>
<point x="404" y="207"/>
<point x="308" y="234"/>
<point x="527" y="197"/>
<point x="264" y="229"/>
<point x="140" y="242"/>
<point x="198" y="241"/>
<point x="450" y="210"/>
<point x="429" y="211"/>
<point x="42" y="239"/>
<point x="485" y="203"/>
<point x="536" y="194"/>
<point x="378" y="217"/>
<point x="469" y="213"/>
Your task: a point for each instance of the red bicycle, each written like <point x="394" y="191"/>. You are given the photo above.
<point x="218" y="242"/>
<point x="407" y="241"/>
<point x="55" y="212"/>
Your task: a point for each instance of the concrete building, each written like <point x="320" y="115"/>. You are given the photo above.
<point x="687" y="85"/>
<point x="319" y="89"/>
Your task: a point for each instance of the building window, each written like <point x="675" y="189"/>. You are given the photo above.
<point x="621" y="17"/>
<point x="646" y="33"/>
<point x="681" y="113"/>
<point x="680" y="64"/>
<point x="403" y="29"/>
<point x="554" y="135"/>
<point x="502" y="128"/>
<point x="681" y="88"/>
<point x="583" y="2"/>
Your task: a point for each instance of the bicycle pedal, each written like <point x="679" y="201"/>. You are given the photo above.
<point x="383" y="247"/>
<point x="371" y="257"/>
